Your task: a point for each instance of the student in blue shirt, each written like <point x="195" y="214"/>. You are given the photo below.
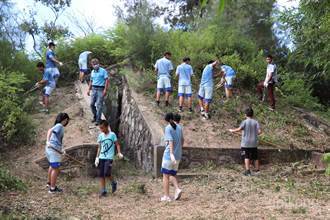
<point x="99" y="83"/>
<point x="163" y="69"/>
<point x="105" y="154"/>
<point x="172" y="155"/>
<point x="206" y="87"/>
<point x="184" y="71"/>
<point x="83" y="65"/>
<point x="54" y="150"/>
<point x="51" y="61"/>
<point x="228" y="77"/>
<point x="49" y="84"/>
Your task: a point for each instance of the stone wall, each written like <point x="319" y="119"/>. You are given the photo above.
<point x="139" y="133"/>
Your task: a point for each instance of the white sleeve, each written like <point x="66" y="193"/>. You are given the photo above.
<point x="156" y="64"/>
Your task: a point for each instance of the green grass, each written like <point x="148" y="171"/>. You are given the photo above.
<point x="9" y="182"/>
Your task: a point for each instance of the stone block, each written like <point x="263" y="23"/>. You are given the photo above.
<point x="158" y="155"/>
<point x="317" y="160"/>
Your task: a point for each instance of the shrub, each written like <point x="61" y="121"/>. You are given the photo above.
<point x="9" y="182"/>
<point x="326" y="159"/>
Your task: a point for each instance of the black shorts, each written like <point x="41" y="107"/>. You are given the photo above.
<point x="105" y="167"/>
<point x="249" y="153"/>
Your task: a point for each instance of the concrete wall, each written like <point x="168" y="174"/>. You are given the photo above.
<point x="136" y="128"/>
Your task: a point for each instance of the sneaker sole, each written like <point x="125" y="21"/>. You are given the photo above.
<point x="178" y="196"/>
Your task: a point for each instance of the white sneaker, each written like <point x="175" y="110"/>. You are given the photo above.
<point x="178" y="193"/>
<point x="165" y="199"/>
<point x="206" y="116"/>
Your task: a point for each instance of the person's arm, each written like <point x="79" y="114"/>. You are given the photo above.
<point x="90" y="87"/>
<point x="97" y="159"/>
<point x="156" y="68"/>
<point x="269" y="75"/>
<point x="236" y="130"/>
<point x="171" y="144"/>
<point x="259" y="129"/>
<point x="120" y="155"/>
<point x="106" y="87"/>
<point x="49" y="133"/>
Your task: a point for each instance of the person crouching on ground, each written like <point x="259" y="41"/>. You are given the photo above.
<point x="184" y="71"/>
<point x="105" y="154"/>
<point x="163" y="69"/>
<point x="206" y="87"/>
<point x="171" y="158"/>
<point x="49" y="84"/>
<point x="99" y="83"/>
<point x="53" y="150"/>
<point x="251" y="130"/>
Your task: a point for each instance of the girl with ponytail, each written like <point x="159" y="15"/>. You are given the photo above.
<point x="172" y="156"/>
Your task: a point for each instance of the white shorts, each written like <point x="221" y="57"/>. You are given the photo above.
<point x="185" y="91"/>
<point x="229" y="82"/>
<point x="82" y="65"/>
<point x="168" y="167"/>
<point x="48" y="90"/>
<point x="164" y="84"/>
<point x="205" y="93"/>
<point x="52" y="155"/>
<point x="54" y="72"/>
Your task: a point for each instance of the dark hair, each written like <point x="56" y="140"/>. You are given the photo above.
<point x="177" y="118"/>
<point x="167" y="53"/>
<point x="270" y="57"/>
<point x="105" y="123"/>
<point x="211" y="61"/>
<point x="169" y="117"/>
<point x="249" y="112"/>
<point x="61" y="117"/>
<point x="185" y="59"/>
<point x="51" y="44"/>
<point x="40" y="64"/>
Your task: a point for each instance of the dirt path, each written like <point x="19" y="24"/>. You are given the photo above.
<point x="222" y="194"/>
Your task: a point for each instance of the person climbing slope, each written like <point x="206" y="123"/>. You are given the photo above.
<point x="51" y="61"/>
<point x="228" y="77"/>
<point x="269" y="82"/>
<point x="49" y="84"/>
<point x="54" y="150"/>
<point x="205" y="92"/>
<point x="184" y="71"/>
<point x="163" y="69"/>
<point x="83" y="65"/>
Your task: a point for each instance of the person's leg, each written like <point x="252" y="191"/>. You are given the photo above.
<point x="53" y="177"/>
<point x="49" y="175"/>
<point x="166" y="186"/>
<point x="206" y="107"/>
<point x="229" y="93"/>
<point x="168" y="88"/>
<point x="201" y="95"/>
<point x="46" y="101"/>
<point x="93" y="101"/>
<point x="189" y="102"/>
<point x="247" y="163"/>
<point x="167" y="96"/>
<point x="99" y="105"/>
<point x="81" y="76"/>
<point x="257" y="165"/>
<point x="260" y="89"/>
<point x="102" y="184"/>
<point x="271" y="95"/>
<point x="181" y="96"/>
<point x="174" y="181"/>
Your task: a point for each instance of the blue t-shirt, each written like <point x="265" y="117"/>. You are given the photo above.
<point x="184" y="71"/>
<point x="176" y="137"/>
<point x="49" y="62"/>
<point x="207" y="76"/>
<point x="99" y="77"/>
<point x="164" y="67"/>
<point x="228" y="70"/>
<point x="107" y="143"/>
<point x="50" y="78"/>
<point x="57" y="135"/>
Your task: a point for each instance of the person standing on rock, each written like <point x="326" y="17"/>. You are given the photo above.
<point x="184" y="71"/>
<point x="51" y="61"/>
<point x="163" y="69"/>
<point x="54" y="150"/>
<point x="171" y="158"/>
<point x="83" y="65"/>
<point x="269" y="82"/>
<point x="205" y="92"/>
<point x="49" y="84"/>
<point x="98" y="84"/>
